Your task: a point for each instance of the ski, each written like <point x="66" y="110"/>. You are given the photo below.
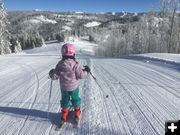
<point x="76" y="122"/>
<point x="61" y="123"/>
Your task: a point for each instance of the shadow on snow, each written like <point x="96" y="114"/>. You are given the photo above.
<point x="32" y="114"/>
<point x="54" y="118"/>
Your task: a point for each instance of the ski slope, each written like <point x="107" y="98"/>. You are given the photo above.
<point x="130" y="96"/>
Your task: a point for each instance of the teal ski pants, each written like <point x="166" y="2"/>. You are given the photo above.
<point x="72" y="97"/>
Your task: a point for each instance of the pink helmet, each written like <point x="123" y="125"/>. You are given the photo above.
<point x="68" y="50"/>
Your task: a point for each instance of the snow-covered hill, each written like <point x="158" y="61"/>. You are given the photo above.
<point x="129" y="97"/>
<point x="40" y="19"/>
<point x="92" y="24"/>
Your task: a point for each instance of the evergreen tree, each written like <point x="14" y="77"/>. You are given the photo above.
<point x="4" y="34"/>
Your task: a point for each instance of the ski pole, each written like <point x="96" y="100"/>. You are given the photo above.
<point x="97" y="82"/>
<point x="49" y="97"/>
<point x="93" y="76"/>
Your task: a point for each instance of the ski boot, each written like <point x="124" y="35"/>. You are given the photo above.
<point x="77" y="115"/>
<point x="64" y="115"/>
<point x="77" y="111"/>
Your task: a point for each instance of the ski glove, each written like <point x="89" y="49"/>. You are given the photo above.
<point x="87" y="69"/>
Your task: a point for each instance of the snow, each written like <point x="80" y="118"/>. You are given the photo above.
<point x="124" y="14"/>
<point x="128" y="97"/>
<point x="84" y="47"/>
<point x="92" y="24"/>
<point x="163" y="56"/>
<point x="156" y="21"/>
<point x="76" y="16"/>
<point x="34" y="21"/>
<point x="113" y="13"/>
<point x="70" y="23"/>
<point x="37" y="10"/>
<point x="41" y="19"/>
<point x="67" y="28"/>
<point x="135" y="14"/>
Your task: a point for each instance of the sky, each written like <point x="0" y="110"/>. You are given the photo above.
<point x="82" y="5"/>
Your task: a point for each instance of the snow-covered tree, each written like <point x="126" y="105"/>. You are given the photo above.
<point x="4" y="34"/>
<point x="15" y="45"/>
<point x="169" y="28"/>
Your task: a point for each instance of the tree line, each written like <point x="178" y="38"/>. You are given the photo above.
<point x="153" y="32"/>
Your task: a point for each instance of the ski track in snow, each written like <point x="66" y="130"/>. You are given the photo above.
<point x="129" y="97"/>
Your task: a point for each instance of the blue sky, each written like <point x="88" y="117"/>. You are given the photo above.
<point x="82" y="5"/>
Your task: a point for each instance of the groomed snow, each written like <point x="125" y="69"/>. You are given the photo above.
<point x="129" y="96"/>
<point x="163" y="56"/>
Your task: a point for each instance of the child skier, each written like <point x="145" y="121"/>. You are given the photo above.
<point x="68" y="71"/>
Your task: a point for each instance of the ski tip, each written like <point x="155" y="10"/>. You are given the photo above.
<point x="76" y="122"/>
<point x="61" y="123"/>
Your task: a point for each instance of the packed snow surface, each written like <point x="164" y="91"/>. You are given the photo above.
<point x="163" y="56"/>
<point x="129" y="96"/>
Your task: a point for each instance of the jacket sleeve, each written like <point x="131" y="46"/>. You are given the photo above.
<point x="57" y="70"/>
<point x="56" y="73"/>
<point x="80" y="74"/>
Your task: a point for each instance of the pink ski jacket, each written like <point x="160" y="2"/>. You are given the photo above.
<point x="68" y="72"/>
